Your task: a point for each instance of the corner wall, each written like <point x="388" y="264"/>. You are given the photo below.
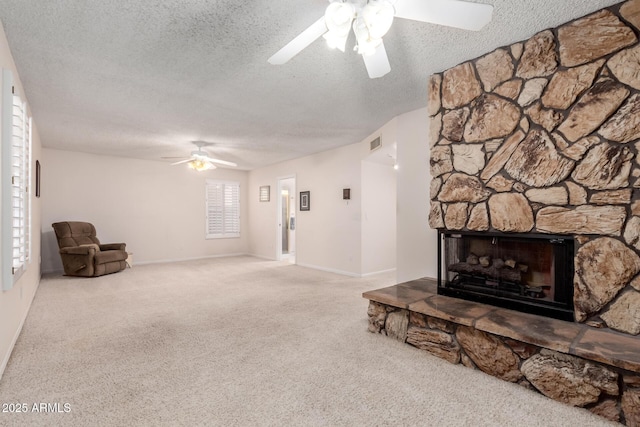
<point x="378" y="218"/>
<point x="339" y="236"/>
<point x="416" y="242"/>
<point x="15" y="303"/>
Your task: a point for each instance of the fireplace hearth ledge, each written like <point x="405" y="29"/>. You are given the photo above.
<point x="600" y="345"/>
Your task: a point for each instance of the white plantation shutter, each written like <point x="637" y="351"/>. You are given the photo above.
<point x="222" y="209"/>
<point x="18" y="186"/>
<point x="29" y="189"/>
<point x="16" y="176"/>
<point x="20" y="178"/>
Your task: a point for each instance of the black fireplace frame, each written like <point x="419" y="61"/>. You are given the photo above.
<point x="563" y="249"/>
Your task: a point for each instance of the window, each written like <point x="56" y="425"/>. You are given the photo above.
<point x="222" y="209"/>
<point x="16" y="178"/>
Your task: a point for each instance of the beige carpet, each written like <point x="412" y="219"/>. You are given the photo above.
<point x="241" y="342"/>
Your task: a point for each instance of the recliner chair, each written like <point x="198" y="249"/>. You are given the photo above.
<point x="82" y="253"/>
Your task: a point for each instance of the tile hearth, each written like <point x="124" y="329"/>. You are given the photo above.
<point x="601" y="345"/>
<point x="598" y="369"/>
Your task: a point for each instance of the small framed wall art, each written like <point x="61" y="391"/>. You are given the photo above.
<point x="346" y="194"/>
<point x="305" y="200"/>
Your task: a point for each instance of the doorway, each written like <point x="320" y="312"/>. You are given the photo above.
<point x="286" y="238"/>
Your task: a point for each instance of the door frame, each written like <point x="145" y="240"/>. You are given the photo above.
<point x="279" y="212"/>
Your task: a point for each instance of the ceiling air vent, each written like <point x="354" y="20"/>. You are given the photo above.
<point x="375" y="144"/>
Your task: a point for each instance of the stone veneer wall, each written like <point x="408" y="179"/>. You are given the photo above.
<point x="609" y="392"/>
<point x="543" y="136"/>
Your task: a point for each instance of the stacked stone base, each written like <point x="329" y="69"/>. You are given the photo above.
<point x="609" y="392"/>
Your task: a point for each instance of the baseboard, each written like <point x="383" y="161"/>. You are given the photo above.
<point x="329" y="270"/>
<point x="262" y="257"/>
<point x="7" y="356"/>
<point x="374" y="273"/>
<point x="165" y="261"/>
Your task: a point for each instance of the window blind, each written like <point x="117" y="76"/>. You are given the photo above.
<point x="222" y="209"/>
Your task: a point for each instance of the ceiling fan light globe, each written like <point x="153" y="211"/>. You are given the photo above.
<point x="200" y="165"/>
<point x="336" y="41"/>
<point x="338" y="17"/>
<point x="378" y="17"/>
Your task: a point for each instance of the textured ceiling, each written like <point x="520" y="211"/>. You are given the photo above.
<point x="143" y="78"/>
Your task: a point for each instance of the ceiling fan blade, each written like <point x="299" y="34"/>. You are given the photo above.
<point x="451" y="13"/>
<point x="181" y="162"/>
<point x="220" y="162"/>
<point x="378" y="63"/>
<point x="296" y="45"/>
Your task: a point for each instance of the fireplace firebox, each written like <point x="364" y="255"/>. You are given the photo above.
<point x="532" y="273"/>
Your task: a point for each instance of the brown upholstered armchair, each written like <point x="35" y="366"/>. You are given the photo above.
<point x="81" y="251"/>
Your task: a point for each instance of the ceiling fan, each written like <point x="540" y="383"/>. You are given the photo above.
<point x="370" y="21"/>
<point x="200" y="159"/>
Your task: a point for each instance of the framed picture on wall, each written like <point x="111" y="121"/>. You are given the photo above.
<point x="37" y="178"/>
<point x="305" y="200"/>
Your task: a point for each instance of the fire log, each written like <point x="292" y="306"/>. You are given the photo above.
<point x="489" y="272"/>
<point x="472" y="259"/>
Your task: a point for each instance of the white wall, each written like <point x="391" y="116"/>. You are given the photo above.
<point x="328" y="235"/>
<point x="379" y="201"/>
<point x="158" y="210"/>
<point x="378" y="217"/>
<point x="15" y="303"/>
<point x="357" y="237"/>
<point x="417" y="254"/>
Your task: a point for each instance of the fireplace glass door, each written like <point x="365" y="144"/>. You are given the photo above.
<point x="531" y="273"/>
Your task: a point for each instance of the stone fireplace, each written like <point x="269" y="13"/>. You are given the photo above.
<point x="535" y="193"/>
<point x="542" y="137"/>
